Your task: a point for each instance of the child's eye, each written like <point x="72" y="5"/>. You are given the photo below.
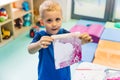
<point x="49" y="20"/>
<point x="58" y="19"/>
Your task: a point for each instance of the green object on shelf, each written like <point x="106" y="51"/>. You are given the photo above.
<point x="2" y="19"/>
<point x="117" y="25"/>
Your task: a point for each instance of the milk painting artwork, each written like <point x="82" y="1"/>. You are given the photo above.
<point x="67" y="49"/>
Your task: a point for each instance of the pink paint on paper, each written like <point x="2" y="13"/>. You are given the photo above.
<point x="67" y="49"/>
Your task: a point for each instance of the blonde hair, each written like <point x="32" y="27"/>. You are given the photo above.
<point x="49" y="5"/>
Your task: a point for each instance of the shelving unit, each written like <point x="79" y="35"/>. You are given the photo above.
<point x="12" y="15"/>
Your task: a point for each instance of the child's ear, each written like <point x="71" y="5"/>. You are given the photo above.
<point x="41" y="22"/>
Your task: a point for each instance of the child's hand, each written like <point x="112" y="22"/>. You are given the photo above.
<point x="86" y="38"/>
<point x="45" y="41"/>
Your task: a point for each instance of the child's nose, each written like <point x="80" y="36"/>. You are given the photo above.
<point x="54" y="23"/>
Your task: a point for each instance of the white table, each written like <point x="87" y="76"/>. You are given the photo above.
<point x="89" y="71"/>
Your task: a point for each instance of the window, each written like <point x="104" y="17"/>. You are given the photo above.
<point x="99" y="10"/>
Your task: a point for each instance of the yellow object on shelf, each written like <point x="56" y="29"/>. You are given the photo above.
<point x="5" y="34"/>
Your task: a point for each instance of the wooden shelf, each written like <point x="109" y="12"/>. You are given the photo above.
<point x="7" y="21"/>
<point x="13" y="15"/>
<point x="6" y="2"/>
<point x="20" y="13"/>
<point x="21" y="30"/>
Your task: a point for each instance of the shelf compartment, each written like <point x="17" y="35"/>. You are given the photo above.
<point x="20" y="13"/>
<point x="9" y="27"/>
<point x="21" y="30"/>
<point x="7" y="21"/>
<point x="8" y="10"/>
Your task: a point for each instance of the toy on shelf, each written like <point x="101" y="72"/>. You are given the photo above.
<point x="17" y="4"/>
<point x="18" y="22"/>
<point x="33" y="30"/>
<point x="27" y="20"/>
<point x="5" y="33"/>
<point x="25" y="6"/>
<point x="3" y="14"/>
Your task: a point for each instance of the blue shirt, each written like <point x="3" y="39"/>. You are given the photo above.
<point x="46" y="66"/>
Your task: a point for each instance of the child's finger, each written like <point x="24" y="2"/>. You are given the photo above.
<point x="91" y="40"/>
<point x="46" y="43"/>
<point x="47" y="38"/>
<point x="84" y="35"/>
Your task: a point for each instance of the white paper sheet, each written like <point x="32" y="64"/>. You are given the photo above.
<point x="67" y="49"/>
<point x="89" y="71"/>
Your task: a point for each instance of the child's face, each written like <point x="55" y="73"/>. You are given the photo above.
<point x="52" y="20"/>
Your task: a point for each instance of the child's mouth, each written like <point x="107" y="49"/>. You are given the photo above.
<point x="54" y="29"/>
